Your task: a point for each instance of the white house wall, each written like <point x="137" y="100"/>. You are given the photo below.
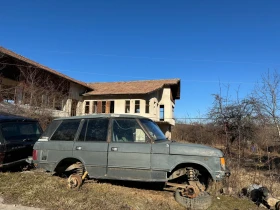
<point x="157" y="98"/>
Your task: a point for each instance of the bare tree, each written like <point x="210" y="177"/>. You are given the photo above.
<point x="267" y="96"/>
<point x="234" y="117"/>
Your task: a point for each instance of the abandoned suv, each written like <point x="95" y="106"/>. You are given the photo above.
<point x="17" y="137"/>
<point x="126" y="147"/>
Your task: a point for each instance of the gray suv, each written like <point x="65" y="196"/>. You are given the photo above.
<point x="126" y="147"/>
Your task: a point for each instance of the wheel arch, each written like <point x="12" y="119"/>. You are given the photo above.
<point x="202" y="168"/>
<point x="64" y="163"/>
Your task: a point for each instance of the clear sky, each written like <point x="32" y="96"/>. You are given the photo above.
<point x="202" y="42"/>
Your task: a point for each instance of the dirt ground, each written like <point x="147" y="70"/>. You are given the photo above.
<point x="15" y="207"/>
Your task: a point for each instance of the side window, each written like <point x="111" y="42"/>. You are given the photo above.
<point x="10" y="131"/>
<point x="94" y="130"/>
<point x="127" y="130"/>
<point x="13" y="131"/>
<point x="66" y="130"/>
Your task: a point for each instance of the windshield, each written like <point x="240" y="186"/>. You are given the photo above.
<point x="153" y="129"/>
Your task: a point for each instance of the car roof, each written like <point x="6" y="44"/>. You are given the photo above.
<point x="102" y="116"/>
<point x="14" y="118"/>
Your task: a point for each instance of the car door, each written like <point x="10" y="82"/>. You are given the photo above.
<point x="60" y="145"/>
<point x="91" y="147"/>
<point x="129" y="153"/>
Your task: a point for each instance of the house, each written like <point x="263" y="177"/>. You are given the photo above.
<point x="154" y="99"/>
<point x="29" y="84"/>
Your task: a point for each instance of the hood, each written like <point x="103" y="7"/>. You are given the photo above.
<point x="194" y="150"/>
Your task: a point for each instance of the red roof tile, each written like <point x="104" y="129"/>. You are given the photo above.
<point x="133" y="87"/>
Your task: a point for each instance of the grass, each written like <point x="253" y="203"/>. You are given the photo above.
<point x="39" y="189"/>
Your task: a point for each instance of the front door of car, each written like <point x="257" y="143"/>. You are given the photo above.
<point x="129" y="153"/>
<point x="91" y="146"/>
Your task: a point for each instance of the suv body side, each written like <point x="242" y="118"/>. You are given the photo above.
<point x="116" y="156"/>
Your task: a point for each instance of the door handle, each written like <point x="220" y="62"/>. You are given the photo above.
<point x="114" y="149"/>
<point x="78" y="148"/>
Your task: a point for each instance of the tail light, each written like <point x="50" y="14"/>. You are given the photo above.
<point x="34" y="154"/>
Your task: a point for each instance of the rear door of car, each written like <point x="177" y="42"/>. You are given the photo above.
<point x="58" y="142"/>
<point x="91" y="146"/>
<point x="19" y="138"/>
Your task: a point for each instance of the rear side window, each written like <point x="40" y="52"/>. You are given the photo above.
<point x="66" y="131"/>
<point x="94" y="130"/>
<point x="14" y="131"/>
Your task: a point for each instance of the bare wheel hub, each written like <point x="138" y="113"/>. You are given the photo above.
<point x="190" y="191"/>
<point x="74" y="181"/>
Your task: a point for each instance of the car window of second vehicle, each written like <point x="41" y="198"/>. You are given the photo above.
<point x="20" y="130"/>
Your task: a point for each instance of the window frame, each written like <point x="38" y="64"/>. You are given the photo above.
<point x="110" y="135"/>
<point x="86" y="122"/>
<point x="127" y="105"/>
<point x="137" y="104"/>
<point x="76" y="134"/>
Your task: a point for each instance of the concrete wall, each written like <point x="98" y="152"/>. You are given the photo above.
<point x="75" y="92"/>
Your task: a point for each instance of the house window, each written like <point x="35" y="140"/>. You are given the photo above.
<point x="94" y="107"/>
<point x="172" y="111"/>
<point x="103" y="107"/>
<point x="147" y="110"/>
<point x="137" y="106"/>
<point x="161" y="107"/>
<point x="127" y="106"/>
<point x="112" y="107"/>
<point x="87" y="107"/>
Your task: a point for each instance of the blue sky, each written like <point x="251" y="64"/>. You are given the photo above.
<point x="207" y="44"/>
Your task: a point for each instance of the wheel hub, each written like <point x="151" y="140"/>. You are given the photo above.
<point x="74" y="181"/>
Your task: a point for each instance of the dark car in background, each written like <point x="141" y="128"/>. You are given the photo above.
<point x="17" y="138"/>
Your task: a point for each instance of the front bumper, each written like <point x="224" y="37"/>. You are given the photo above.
<point x="220" y="175"/>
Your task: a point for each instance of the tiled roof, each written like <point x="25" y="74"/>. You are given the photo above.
<point x="33" y="63"/>
<point x="134" y="87"/>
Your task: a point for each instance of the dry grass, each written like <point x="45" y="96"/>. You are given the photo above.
<point x="42" y="190"/>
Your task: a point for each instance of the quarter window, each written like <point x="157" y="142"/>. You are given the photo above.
<point x="66" y="130"/>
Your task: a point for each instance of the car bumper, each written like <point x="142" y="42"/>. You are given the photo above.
<point x="220" y="175"/>
<point x="11" y="164"/>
